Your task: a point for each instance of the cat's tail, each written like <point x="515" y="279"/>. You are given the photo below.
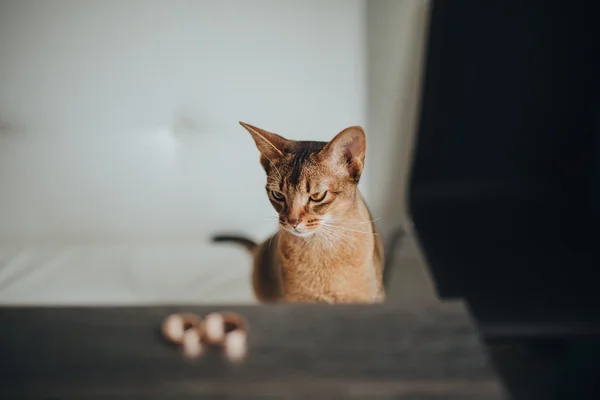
<point x="249" y="244"/>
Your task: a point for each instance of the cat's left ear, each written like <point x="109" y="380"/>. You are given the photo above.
<point x="348" y="149"/>
<point x="270" y="145"/>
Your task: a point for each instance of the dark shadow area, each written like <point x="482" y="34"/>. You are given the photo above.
<point x="504" y="182"/>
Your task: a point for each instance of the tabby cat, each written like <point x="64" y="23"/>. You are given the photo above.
<point x="327" y="249"/>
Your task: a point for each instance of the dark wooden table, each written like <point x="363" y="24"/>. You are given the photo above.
<point x="328" y="352"/>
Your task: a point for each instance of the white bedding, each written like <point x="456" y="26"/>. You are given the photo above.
<point x="124" y="275"/>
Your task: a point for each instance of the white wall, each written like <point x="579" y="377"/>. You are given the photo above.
<point x="120" y="117"/>
<point x="396" y="38"/>
<point x="118" y="131"/>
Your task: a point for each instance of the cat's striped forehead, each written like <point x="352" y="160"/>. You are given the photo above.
<point x="298" y="164"/>
<point x="300" y="158"/>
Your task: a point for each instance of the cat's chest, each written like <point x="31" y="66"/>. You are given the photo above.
<point x="327" y="277"/>
<point x="297" y="252"/>
<point x="329" y="287"/>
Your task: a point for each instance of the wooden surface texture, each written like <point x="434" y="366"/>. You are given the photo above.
<point x="370" y="352"/>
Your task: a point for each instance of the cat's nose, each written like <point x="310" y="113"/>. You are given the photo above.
<point x="294" y="222"/>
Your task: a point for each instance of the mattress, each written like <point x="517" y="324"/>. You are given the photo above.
<point x="124" y="274"/>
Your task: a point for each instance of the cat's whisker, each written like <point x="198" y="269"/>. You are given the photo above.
<point x="331" y="232"/>
<point x="354" y="222"/>
<point x="349" y="229"/>
<point x="316" y="236"/>
<point x="321" y="235"/>
<point x="331" y="236"/>
<point x="341" y="238"/>
<point x="345" y="228"/>
<point x="332" y="229"/>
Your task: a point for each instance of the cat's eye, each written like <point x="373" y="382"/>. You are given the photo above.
<point x="317" y="197"/>
<point x="277" y="196"/>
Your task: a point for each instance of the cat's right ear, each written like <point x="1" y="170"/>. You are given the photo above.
<point x="270" y="145"/>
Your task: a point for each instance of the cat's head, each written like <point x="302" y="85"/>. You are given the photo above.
<point x="310" y="183"/>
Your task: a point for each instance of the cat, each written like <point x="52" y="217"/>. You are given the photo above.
<point x="327" y="249"/>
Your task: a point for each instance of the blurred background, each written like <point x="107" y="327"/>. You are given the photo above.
<point x="121" y="153"/>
